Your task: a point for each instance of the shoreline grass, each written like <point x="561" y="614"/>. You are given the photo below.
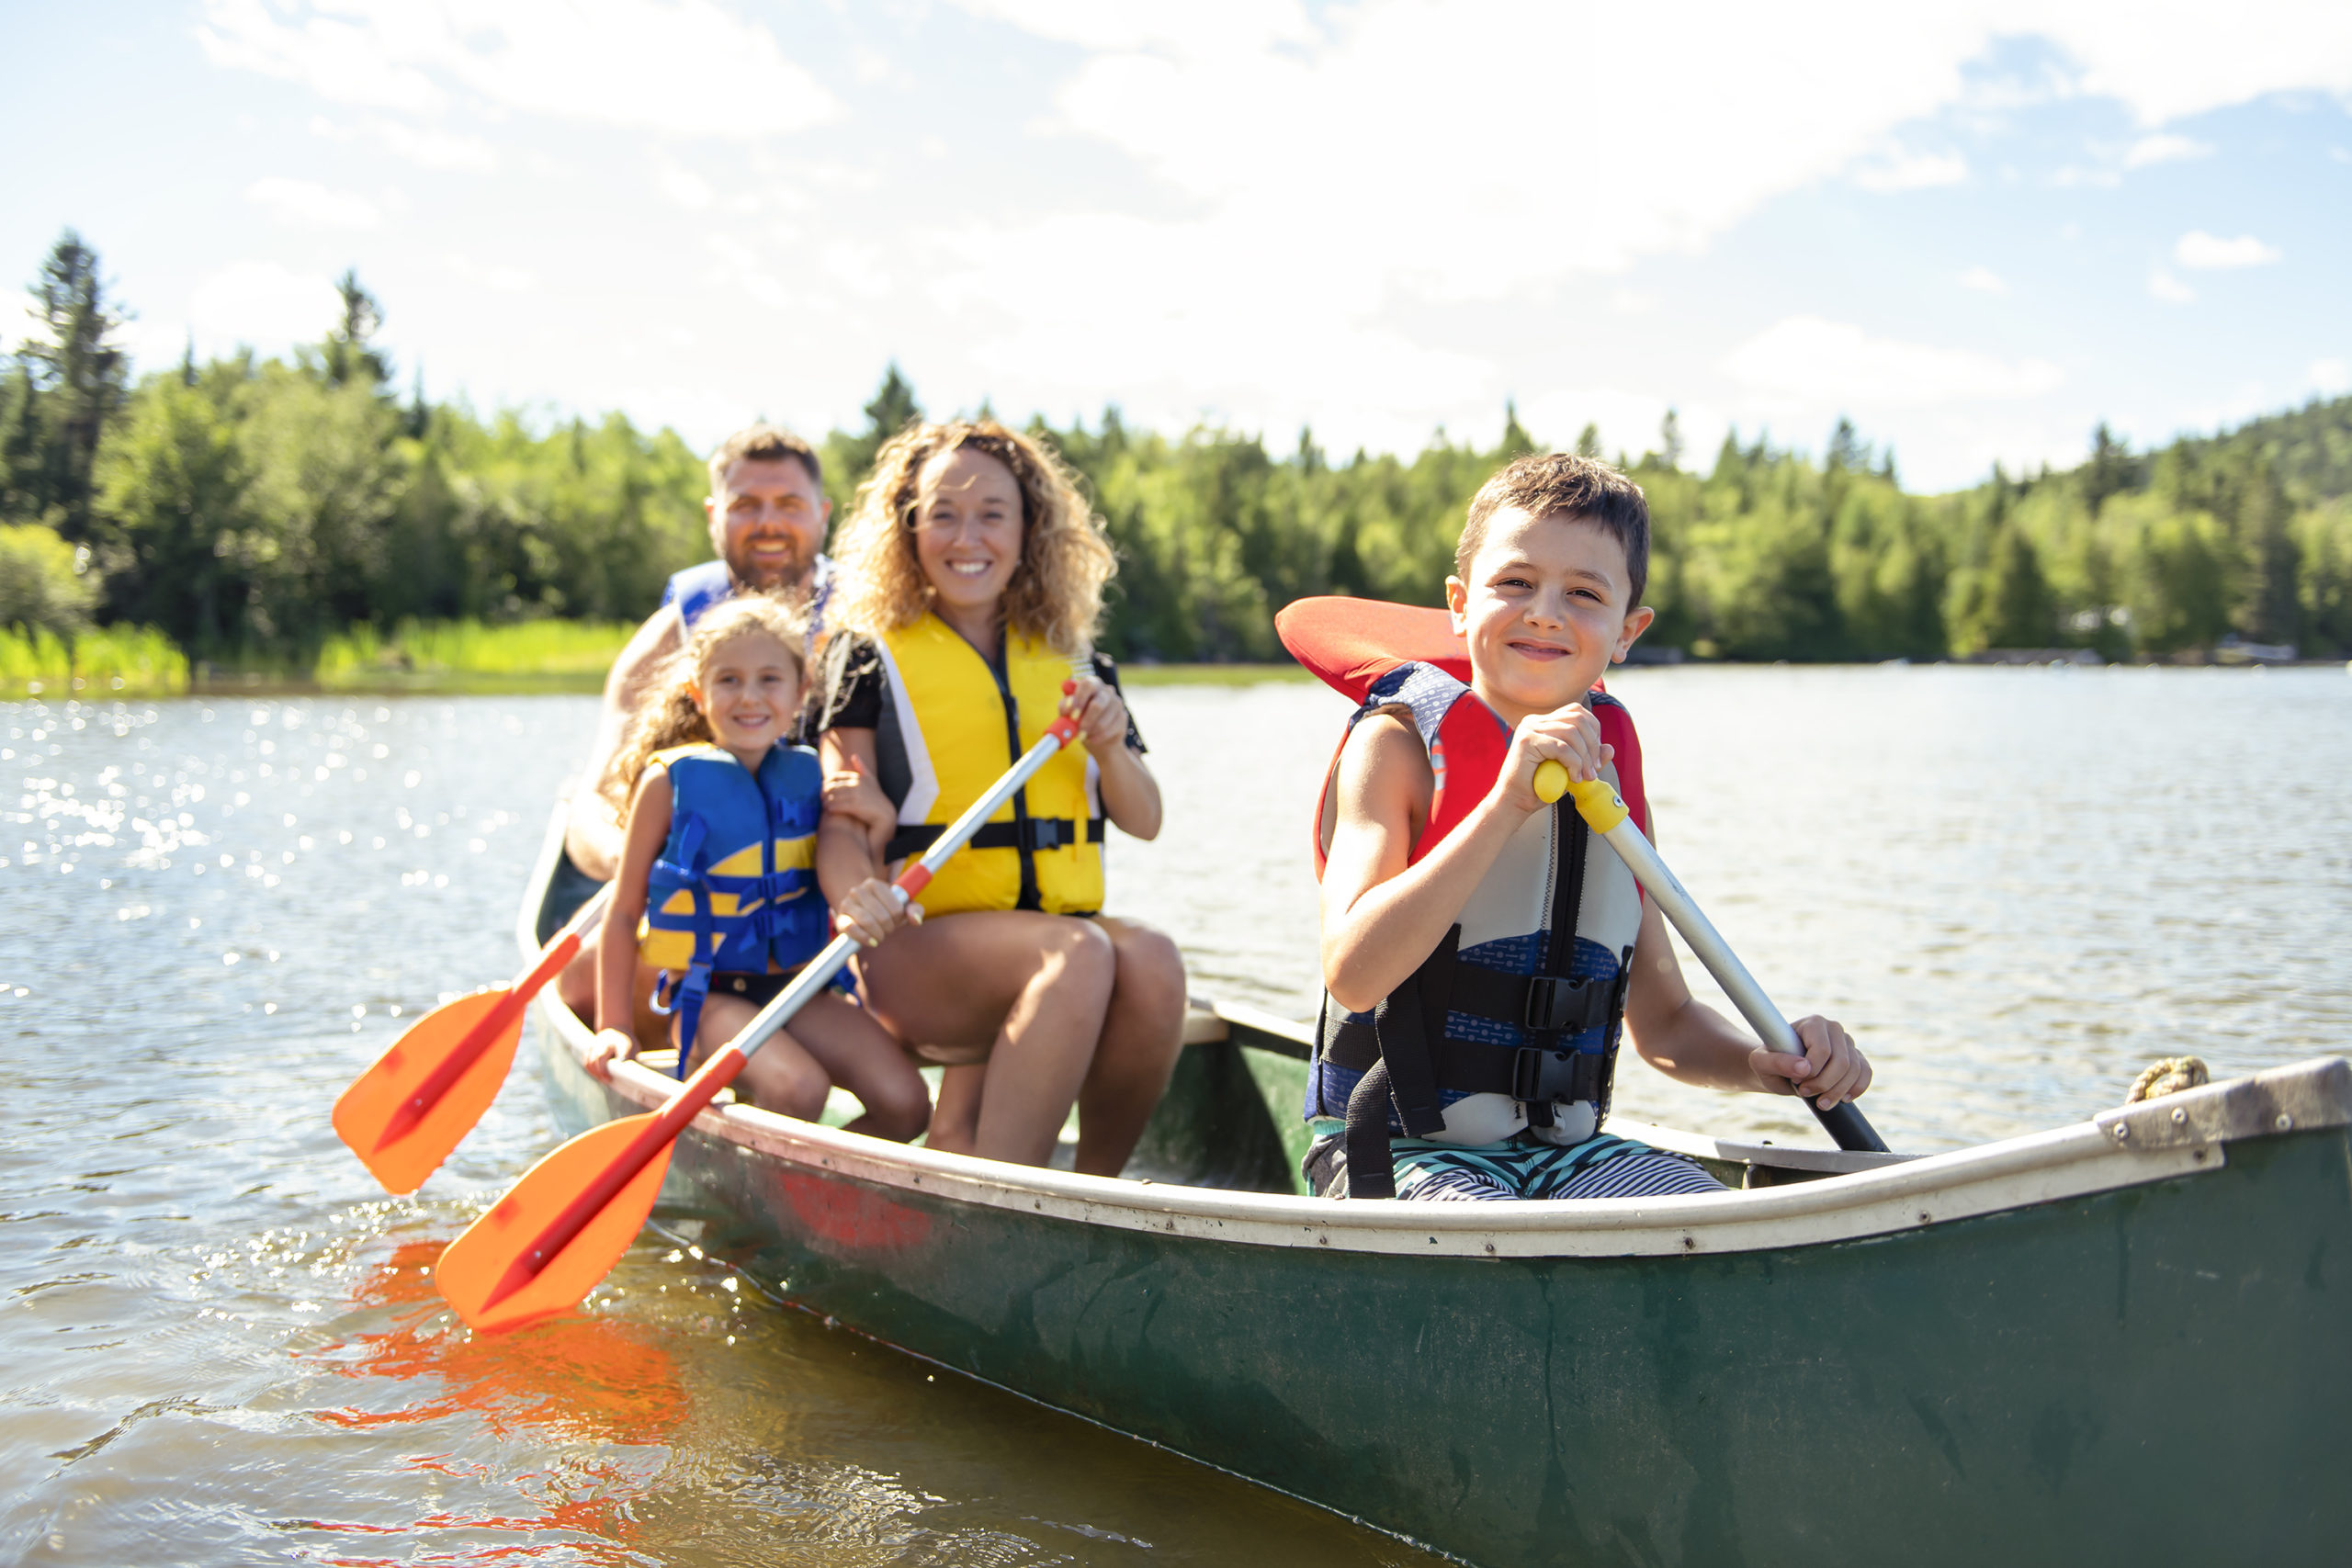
<point x="109" y="661"/>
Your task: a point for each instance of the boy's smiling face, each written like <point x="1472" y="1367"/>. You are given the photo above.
<point x="1547" y="606"/>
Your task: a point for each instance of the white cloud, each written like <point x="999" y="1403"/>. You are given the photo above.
<point x="499" y="278"/>
<point x="432" y="149"/>
<point x="307" y="205"/>
<point x="1901" y="170"/>
<point x="2329" y="377"/>
<point x="1983" y="280"/>
<point x="2209" y="252"/>
<point x="1834" y="363"/>
<point x="2164" y="285"/>
<point x="2164" y="62"/>
<point x="1198" y="28"/>
<point x="263" y="305"/>
<point x="684" y="187"/>
<point x="684" y="66"/>
<point x="2165" y="147"/>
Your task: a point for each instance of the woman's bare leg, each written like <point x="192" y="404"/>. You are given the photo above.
<point x="859" y="1054"/>
<point x="1028" y="989"/>
<point x="1143" y="1030"/>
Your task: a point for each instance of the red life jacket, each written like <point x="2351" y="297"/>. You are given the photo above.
<point x="1495" y="1032"/>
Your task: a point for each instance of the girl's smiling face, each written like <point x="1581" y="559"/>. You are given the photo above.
<point x="749" y="690"/>
<point x="1546" y="607"/>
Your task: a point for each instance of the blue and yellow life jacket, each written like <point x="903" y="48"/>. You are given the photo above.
<point x="735" y="889"/>
<point x="953" y="723"/>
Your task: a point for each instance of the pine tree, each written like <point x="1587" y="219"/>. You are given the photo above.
<point x="346" y="355"/>
<point x="1589" y="442"/>
<point x="77" y="378"/>
<point x="1516" y="442"/>
<point x="1670" y="439"/>
<point x="1848" y="450"/>
<point x="2110" y="469"/>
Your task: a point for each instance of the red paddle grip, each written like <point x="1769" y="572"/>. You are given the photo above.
<point x="913" y="880"/>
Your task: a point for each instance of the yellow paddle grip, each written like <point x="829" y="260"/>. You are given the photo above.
<point x="1596" y="802"/>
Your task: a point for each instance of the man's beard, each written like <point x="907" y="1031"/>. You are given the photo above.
<point x="787" y="571"/>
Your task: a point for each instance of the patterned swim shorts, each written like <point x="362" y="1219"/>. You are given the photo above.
<point x="1603" y="1165"/>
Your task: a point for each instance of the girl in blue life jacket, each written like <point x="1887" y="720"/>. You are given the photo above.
<point x="717" y="887"/>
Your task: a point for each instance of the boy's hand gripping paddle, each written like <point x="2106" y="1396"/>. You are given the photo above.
<point x="403" y="1115"/>
<point x="1606" y="815"/>
<point x="544" y="1245"/>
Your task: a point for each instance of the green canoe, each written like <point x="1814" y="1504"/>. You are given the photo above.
<point x="2118" y="1341"/>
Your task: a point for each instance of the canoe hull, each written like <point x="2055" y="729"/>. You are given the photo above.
<point x="2158" y="1369"/>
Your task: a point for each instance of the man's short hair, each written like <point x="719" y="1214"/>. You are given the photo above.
<point x="1587" y="490"/>
<point x="763" y="444"/>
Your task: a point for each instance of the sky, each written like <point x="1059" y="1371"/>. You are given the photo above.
<point x="1978" y="229"/>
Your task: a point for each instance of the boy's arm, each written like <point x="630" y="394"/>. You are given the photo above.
<point x="1383" y="917"/>
<point x="648" y="829"/>
<point x="1693" y="1043"/>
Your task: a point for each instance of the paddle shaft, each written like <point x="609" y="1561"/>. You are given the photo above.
<point x="1607" y="815"/>
<point x="731" y="1058"/>
<point x="491" y="1025"/>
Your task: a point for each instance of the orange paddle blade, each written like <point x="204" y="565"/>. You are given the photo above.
<point x="488" y="1275"/>
<point x="403" y="1115"/>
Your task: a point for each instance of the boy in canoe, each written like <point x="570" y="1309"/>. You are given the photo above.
<point x="1482" y="951"/>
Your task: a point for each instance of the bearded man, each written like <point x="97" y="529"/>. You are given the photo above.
<point x="768" y="515"/>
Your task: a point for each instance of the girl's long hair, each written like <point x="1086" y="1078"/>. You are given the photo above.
<point x="666" y="716"/>
<point x="1056" y="593"/>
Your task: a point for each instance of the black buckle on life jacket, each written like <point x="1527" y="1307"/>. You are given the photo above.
<point x="1556" y="1078"/>
<point x="1048" y="832"/>
<point x="1555" y="1003"/>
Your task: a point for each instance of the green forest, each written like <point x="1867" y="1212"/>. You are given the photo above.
<point x="254" y="513"/>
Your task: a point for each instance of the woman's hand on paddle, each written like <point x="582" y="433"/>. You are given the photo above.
<point x="871" y="910"/>
<point x="1569" y="735"/>
<point x="1832" y="1070"/>
<point x="609" y="1046"/>
<point x="1100" y="713"/>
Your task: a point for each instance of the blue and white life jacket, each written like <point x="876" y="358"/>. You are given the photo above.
<point x="735" y="889"/>
<point x="1512" y="1022"/>
<point x="699" y="590"/>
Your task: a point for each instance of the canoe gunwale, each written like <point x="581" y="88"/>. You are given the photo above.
<point x="2181" y="1135"/>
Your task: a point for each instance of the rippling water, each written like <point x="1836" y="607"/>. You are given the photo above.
<point x="216" y="1340"/>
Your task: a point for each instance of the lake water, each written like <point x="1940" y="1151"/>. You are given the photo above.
<point x="217" y="1341"/>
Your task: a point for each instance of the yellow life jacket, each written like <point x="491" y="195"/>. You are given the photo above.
<point x="954" y="724"/>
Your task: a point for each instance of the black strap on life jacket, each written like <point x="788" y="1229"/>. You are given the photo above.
<point x="1029" y="833"/>
<point x="1408" y="1057"/>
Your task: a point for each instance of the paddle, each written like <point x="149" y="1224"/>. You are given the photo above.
<point x="403" y="1115"/>
<point x="1606" y="815"/>
<point x="544" y="1245"/>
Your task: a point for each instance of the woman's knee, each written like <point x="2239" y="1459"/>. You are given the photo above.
<point x="1083" y="950"/>
<point x="1151" y="970"/>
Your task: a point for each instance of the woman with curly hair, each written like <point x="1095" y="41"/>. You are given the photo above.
<point x="972" y="576"/>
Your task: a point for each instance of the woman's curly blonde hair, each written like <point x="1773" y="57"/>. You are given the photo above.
<point x="1056" y="593"/>
<point x="667" y="714"/>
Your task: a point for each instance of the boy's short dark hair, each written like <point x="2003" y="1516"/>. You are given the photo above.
<point x="1562" y="482"/>
<point x="763" y="444"/>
